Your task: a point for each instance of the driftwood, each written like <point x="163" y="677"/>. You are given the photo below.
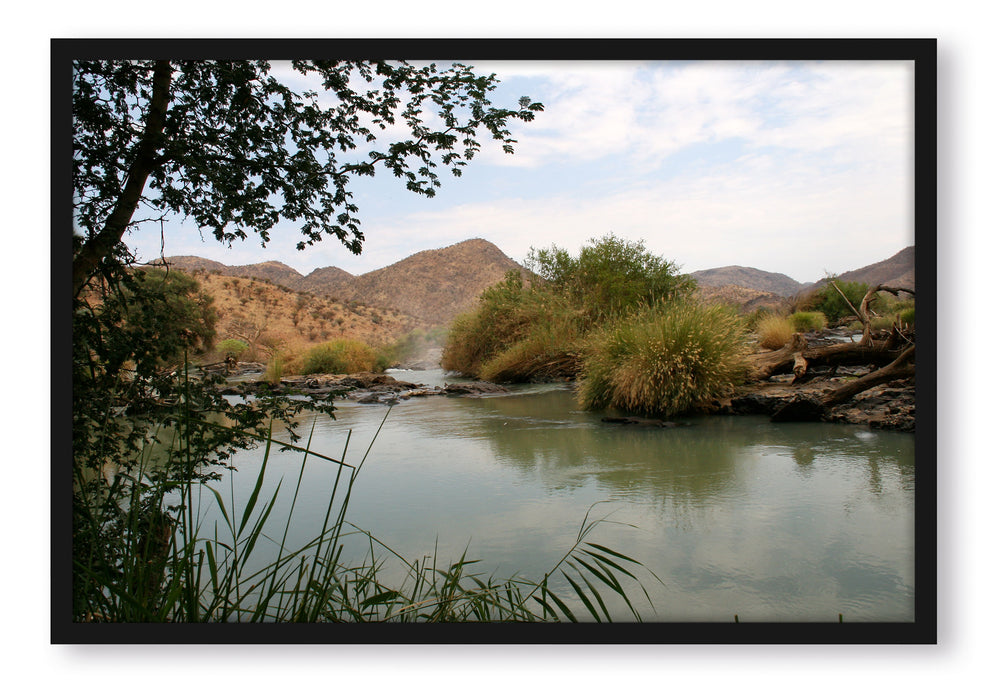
<point x="901" y="368"/>
<point x="893" y="362"/>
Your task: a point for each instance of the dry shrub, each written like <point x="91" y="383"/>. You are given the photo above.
<point x="663" y="362"/>
<point x="774" y="332"/>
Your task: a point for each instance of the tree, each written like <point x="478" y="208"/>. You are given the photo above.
<point x="236" y="150"/>
<point x="610" y="276"/>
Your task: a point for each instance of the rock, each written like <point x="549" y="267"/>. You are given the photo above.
<point x="801" y="408"/>
<point x="474" y="389"/>
<point x="651" y="422"/>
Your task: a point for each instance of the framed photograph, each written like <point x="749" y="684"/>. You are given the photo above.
<point x="494" y="341"/>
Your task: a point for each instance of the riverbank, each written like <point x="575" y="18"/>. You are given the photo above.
<point x="887" y="407"/>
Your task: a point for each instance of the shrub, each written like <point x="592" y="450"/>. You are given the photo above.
<point x="275" y="368"/>
<point x="610" y="276"/>
<point x="342" y="356"/>
<point x="664" y="362"/>
<point x="232" y="347"/>
<point x="774" y="332"/>
<point x="550" y="350"/>
<point x="907" y="317"/>
<point x="805" y="321"/>
<point x="830" y="302"/>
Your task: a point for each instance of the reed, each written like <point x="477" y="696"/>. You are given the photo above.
<point x="156" y="563"/>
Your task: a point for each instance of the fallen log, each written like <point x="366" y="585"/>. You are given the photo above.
<point x="812" y="407"/>
<point x="795" y="356"/>
<point x="900" y="368"/>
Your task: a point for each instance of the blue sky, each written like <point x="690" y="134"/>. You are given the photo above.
<point x="801" y="168"/>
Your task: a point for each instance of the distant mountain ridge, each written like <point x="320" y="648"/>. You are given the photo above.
<point x="432" y="285"/>
<point x="749" y="278"/>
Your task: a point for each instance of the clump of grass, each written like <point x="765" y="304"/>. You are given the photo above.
<point x="775" y="331"/>
<point x="548" y="351"/>
<point x="805" y="321"/>
<point x="342" y="356"/>
<point x="274" y="369"/>
<point x="664" y="362"/>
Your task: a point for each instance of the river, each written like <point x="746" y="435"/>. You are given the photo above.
<point x="736" y="515"/>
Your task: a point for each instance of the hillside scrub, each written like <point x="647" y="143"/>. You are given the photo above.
<point x="525" y="330"/>
<point x="664" y="362"/>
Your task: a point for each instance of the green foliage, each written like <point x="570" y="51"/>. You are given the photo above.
<point x="232" y="347"/>
<point x="830" y="302"/>
<point x="907" y="317"/>
<point x="664" y="362"/>
<point x="805" y="321"/>
<point x="610" y="276"/>
<point x="234" y="149"/>
<point x="524" y="331"/>
<point x="342" y="356"/>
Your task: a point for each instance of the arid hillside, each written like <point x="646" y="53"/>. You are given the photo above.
<point x="747" y="278"/>
<point x="269" y="316"/>
<point x="432" y="286"/>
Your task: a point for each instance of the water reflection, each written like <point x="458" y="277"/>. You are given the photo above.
<point x="736" y="514"/>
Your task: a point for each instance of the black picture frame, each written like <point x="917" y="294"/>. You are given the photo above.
<point x="922" y="52"/>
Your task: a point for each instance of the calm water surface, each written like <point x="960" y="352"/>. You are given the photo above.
<point x="737" y="516"/>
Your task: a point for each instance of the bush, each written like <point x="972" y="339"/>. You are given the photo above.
<point x="610" y="276"/>
<point x="232" y="347"/>
<point x="805" y="321"/>
<point x="830" y="302"/>
<point x="664" y="362"/>
<point x="522" y="332"/>
<point x="907" y="317"/>
<point x="342" y="356"/>
<point x="774" y="332"/>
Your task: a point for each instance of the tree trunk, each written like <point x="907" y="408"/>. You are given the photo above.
<point x="97" y="248"/>
<point x="900" y="368"/>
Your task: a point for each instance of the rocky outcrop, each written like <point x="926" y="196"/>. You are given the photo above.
<point x="363" y="387"/>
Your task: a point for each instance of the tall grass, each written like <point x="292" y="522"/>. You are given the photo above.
<point x="775" y="331"/>
<point x="664" y="362"/>
<point x="156" y="563"/>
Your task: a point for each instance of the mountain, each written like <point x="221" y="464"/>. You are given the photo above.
<point x="323" y="280"/>
<point x="895" y="271"/>
<point x="432" y="286"/>
<point x="273" y="271"/>
<point x="747" y="278"/>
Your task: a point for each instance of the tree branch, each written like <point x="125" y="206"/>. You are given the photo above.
<point x="95" y="249"/>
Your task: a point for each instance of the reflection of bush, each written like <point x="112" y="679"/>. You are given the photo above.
<point x="544" y="435"/>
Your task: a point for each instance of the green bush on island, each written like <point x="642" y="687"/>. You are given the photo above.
<point x="664" y="362"/>
<point x="805" y="321"/>
<point x="342" y="356"/>
<point x="536" y="327"/>
<point x="232" y="347"/>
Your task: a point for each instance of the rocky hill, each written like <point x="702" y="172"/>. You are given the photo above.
<point x="432" y="286"/>
<point x="747" y="278"/>
<point x="895" y="271"/>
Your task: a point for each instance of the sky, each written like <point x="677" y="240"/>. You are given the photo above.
<point x="801" y="168"/>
